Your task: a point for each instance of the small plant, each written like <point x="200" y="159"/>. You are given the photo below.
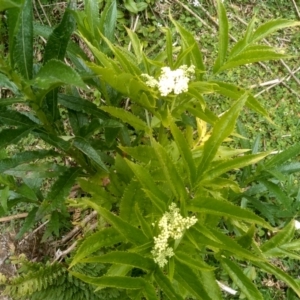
<point x="174" y="192"/>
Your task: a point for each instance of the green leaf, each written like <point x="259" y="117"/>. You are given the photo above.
<point x="136" y="45"/>
<point x="55" y="73"/>
<point x="28" y="223"/>
<point x="10" y="101"/>
<point x="6" y="4"/>
<point x="24" y="157"/>
<point x="119" y="282"/>
<point x="130" y="233"/>
<point x="6" y="83"/>
<point x="197" y="264"/>
<point x="187" y="39"/>
<point x="282" y="237"/>
<point x="12" y="136"/>
<point x="84" y="146"/>
<point x="222" y="129"/>
<point x="124" y="258"/>
<point x="127" y="117"/>
<point x="278" y="193"/>
<point x="52" y="226"/>
<point x="91" y="9"/>
<point x="270" y="27"/>
<point x="14" y="118"/>
<point x="81" y="105"/>
<point x="59" y="38"/>
<point x="158" y="198"/>
<point x="223" y="36"/>
<point x="166" y="285"/>
<point x="61" y="188"/>
<point x="185" y="152"/>
<point x="104" y="238"/>
<point x="240" y="279"/>
<point x="282" y="275"/>
<point x="146" y="228"/>
<point x="171" y="174"/>
<point x="235" y="92"/>
<point x="56" y="49"/>
<point x="252" y="56"/>
<point x="217" y="207"/>
<point x="236" y="163"/>
<point x="282" y="157"/>
<point x="186" y="277"/>
<point x="23" y="43"/>
<point x="4" y="193"/>
<point x="108" y="21"/>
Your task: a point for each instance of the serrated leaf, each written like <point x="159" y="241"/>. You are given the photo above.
<point x="197" y="264"/>
<point x="52" y="226"/>
<point x="124" y="258"/>
<point x="108" y="21"/>
<point x="91" y="9"/>
<point x="28" y="223"/>
<point x="282" y="275"/>
<point x="61" y="188"/>
<point x="282" y="237"/>
<point x="128" y="201"/>
<point x="136" y="45"/>
<point x="194" y="56"/>
<point x="23" y="44"/>
<point x="14" y="118"/>
<point x="278" y="193"/>
<point x="119" y="282"/>
<point x="222" y="129"/>
<point x="282" y="157"/>
<point x="224" y="208"/>
<point x="166" y="285"/>
<point x="85" y="147"/>
<point x="171" y="174"/>
<point x="81" y="105"/>
<point x="146" y="228"/>
<point x="240" y="279"/>
<point x="252" y="56"/>
<point x="270" y="27"/>
<point x="158" y="198"/>
<point x="104" y="238"/>
<point x="223" y="36"/>
<point x="185" y="152"/>
<point x="235" y="92"/>
<point x="141" y="153"/>
<point x="12" y="136"/>
<point x="186" y="277"/>
<point x="130" y="233"/>
<point x="236" y="163"/>
<point x="55" y="73"/>
<point x="127" y="117"/>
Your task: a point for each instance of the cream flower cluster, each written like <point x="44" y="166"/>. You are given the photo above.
<point x="171" y="81"/>
<point x="172" y="225"/>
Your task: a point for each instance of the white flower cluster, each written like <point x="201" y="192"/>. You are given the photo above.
<point x="172" y="225"/>
<point x="171" y="81"/>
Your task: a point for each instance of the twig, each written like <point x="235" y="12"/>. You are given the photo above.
<point x="296" y="8"/>
<point x="33" y="232"/>
<point x="10" y="218"/>
<point x="61" y="254"/>
<point x="226" y="288"/>
<point x="78" y="228"/>
<point x="192" y="13"/>
<point x="134" y="29"/>
<point x="49" y="23"/>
